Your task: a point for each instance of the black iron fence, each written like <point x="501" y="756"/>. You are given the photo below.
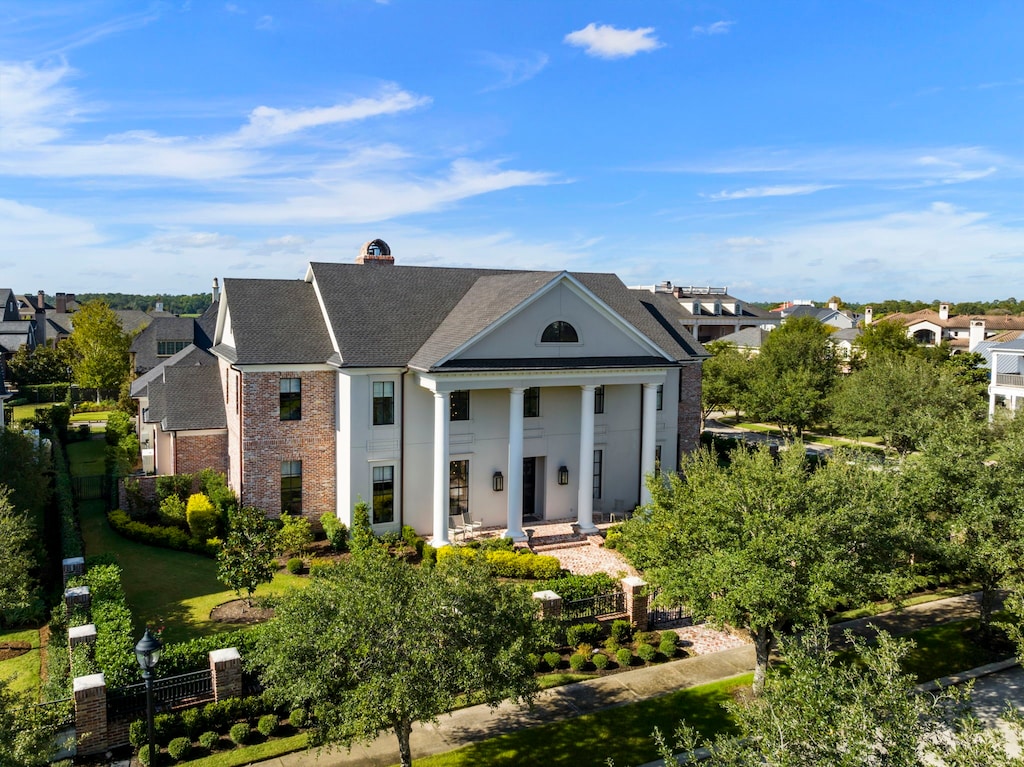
<point x="58" y="713"/>
<point x="658" y="614"/>
<point x="91" y="487"/>
<point x="594" y="607"/>
<point x="170" y="692"/>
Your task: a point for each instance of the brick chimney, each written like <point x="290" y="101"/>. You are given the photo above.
<point x="943" y="311"/>
<point x="375" y="252"/>
<point x="41" y="301"/>
<point x="62" y="303"/>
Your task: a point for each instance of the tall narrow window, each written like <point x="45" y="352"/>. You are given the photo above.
<point x="291" y="399"/>
<point x="598" y="472"/>
<point x="383" y="494"/>
<point x="599" y="399"/>
<point x="660" y="396"/>
<point x="291" y="487"/>
<point x="459" y="406"/>
<point x="383" y="403"/>
<point x="531" y="402"/>
<point x="458" y="487"/>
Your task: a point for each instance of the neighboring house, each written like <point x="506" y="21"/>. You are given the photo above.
<point x="845" y="341"/>
<point x="827" y="315"/>
<point x="1007" y="382"/>
<point x="168" y="334"/>
<point x="748" y="340"/>
<point x="514" y="395"/>
<point x="710" y="313"/>
<point x="961" y="332"/>
<point x="14" y="331"/>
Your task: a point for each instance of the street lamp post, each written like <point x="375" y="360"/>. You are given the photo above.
<point x="147" y="651"/>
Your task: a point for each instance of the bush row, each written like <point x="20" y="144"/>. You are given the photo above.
<point x="193" y="655"/>
<point x="573" y="587"/>
<point x="191" y="722"/>
<point x="114" y="651"/>
<point x="164" y="536"/>
<point x="509" y="564"/>
<point x="70" y="535"/>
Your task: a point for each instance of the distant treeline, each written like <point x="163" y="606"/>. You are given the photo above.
<point x="197" y="303"/>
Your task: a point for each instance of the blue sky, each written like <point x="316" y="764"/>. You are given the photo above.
<point x="796" y="149"/>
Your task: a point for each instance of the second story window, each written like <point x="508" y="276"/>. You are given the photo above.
<point x="599" y="399"/>
<point x="291" y="399"/>
<point x="459" y="406"/>
<point x="383" y="403"/>
<point x="559" y="332"/>
<point x="170" y="348"/>
<point x="660" y="396"/>
<point x="531" y="402"/>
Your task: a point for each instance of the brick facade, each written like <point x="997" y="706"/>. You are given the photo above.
<point x="688" y="423"/>
<point x="193" y="453"/>
<point x="266" y="441"/>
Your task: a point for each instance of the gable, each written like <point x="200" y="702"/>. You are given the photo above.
<point x="599" y="331"/>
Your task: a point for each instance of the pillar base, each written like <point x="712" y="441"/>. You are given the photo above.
<point x="515" y="535"/>
<point x="591" y="530"/>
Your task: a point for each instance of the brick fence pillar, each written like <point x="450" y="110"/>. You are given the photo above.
<point x="81" y="635"/>
<point x="550" y="604"/>
<point x="73" y="566"/>
<point x="77" y="596"/>
<point x="226" y="669"/>
<point x="91" y="714"/>
<point x="636" y="601"/>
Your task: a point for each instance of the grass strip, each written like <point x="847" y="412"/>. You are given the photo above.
<point x="250" y="754"/>
<point x="877" y="608"/>
<point x="25" y="668"/>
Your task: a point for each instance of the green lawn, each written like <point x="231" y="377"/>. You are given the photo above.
<point x="25" y="668"/>
<point x="86" y="458"/>
<point x="949" y="649"/>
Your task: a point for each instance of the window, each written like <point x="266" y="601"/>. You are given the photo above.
<point x="291" y="487"/>
<point x="598" y="466"/>
<point x="599" y="399"/>
<point x="291" y="399"/>
<point x="531" y="402"/>
<point x="383" y="494"/>
<point x="458" y="487"/>
<point x="383" y="403"/>
<point x="559" y="332"/>
<point x="169" y="348"/>
<point x="660" y="396"/>
<point x="458" y="406"/>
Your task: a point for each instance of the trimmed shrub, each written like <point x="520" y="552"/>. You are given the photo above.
<point x="297" y="718"/>
<point x="667" y="645"/>
<point x="600" y="661"/>
<point x="137" y="733"/>
<point x="613" y="538"/>
<point x="611" y="645"/>
<point x="335" y="530"/>
<point x="267" y="724"/>
<point x="553" y="659"/>
<point x="621" y="631"/>
<point x="648" y="637"/>
<point x="583" y="632"/>
<point x="572" y="587"/>
<point x="209" y="740"/>
<point x="624" y="657"/>
<point x="361" y="536"/>
<point x="646" y="652"/>
<point x="577" y="662"/>
<point x="152" y="535"/>
<point x="202" y="517"/>
<point x="429" y="557"/>
<point x="295" y="535"/>
<point x="295" y="565"/>
<point x="172" y="511"/>
<point x="179" y="748"/>
<point x="143" y="756"/>
<point x="239" y="733"/>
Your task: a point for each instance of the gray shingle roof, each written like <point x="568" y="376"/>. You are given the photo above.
<point x="748" y="338"/>
<point x="184" y="392"/>
<point x="276" y="322"/>
<point x="145" y="346"/>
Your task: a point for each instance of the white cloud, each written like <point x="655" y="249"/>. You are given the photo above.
<point x="266" y="123"/>
<point x="781" y="190"/>
<point x="289" y="243"/>
<point x="514" y="70"/>
<point x="745" y="242"/>
<point x="717" y="28"/>
<point x="34" y="105"/>
<point x="608" y="42"/>
<point x="174" y="242"/>
<point x="265" y="22"/>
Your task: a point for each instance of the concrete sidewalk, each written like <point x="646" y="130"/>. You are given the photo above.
<point x="477" y="723"/>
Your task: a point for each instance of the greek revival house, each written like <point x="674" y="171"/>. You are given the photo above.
<point x="512" y="395"/>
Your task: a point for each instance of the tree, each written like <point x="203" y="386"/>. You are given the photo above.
<point x="792" y="376"/>
<point x="723" y="378"/>
<point x="827" y="710"/>
<point x="249" y="555"/>
<point x="883" y="338"/>
<point x="766" y="544"/>
<point x="386" y="644"/>
<point x="42" y="365"/>
<point x="99" y="347"/>
<point x="27" y="738"/>
<point x="901" y="399"/>
<point x="294" y="536"/>
<point x="16" y="555"/>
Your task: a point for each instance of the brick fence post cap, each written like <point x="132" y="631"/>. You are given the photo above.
<point x="77" y="632"/>
<point x="225" y="655"/>
<point x="90" y="682"/>
<point x="545" y="595"/>
<point x="72" y="561"/>
<point x="634" y="580"/>
<point x="76" y="591"/>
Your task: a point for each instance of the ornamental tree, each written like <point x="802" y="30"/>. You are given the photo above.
<point x="249" y="555"/>
<point x="16" y="556"/>
<point x="765" y="544"/>
<point x="385" y="644"/>
<point x="99" y="348"/>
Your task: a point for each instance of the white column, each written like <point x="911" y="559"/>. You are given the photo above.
<point x="514" y="517"/>
<point x="992" y="386"/>
<point x="647" y="439"/>
<point x="584" y="476"/>
<point x="441" y="412"/>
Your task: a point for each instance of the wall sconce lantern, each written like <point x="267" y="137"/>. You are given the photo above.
<point x="498" y="482"/>
<point x="563" y="475"/>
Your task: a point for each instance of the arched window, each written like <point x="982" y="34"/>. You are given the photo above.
<point x="559" y="332"/>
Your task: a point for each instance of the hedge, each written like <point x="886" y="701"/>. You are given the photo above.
<point x="70" y="535"/>
<point x="575" y="587"/>
<point x="114" y="651"/>
<point x="164" y="536"/>
<point x="509" y="564"/>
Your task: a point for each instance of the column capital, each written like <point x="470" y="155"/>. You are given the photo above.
<point x="588" y="387"/>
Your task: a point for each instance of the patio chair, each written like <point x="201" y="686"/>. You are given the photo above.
<point x="471" y="525"/>
<point x="456" y="526"/>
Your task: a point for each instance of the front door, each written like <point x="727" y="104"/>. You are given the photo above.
<point x="529" y="489"/>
